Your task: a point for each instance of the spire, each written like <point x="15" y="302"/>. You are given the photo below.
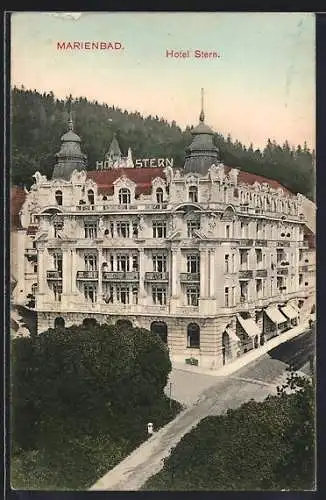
<point x="202" y="114"/>
<point x="70" y="122"/>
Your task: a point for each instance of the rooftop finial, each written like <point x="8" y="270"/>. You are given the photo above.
<point x="70" y="122"/>
<point x="202" y="114"/>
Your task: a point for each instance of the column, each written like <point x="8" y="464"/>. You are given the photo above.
<point x="141" y="266"/>
<point x="99" y="267"/>
<point x="41" y="272"/>
<point x="73" y="271"/>
<point x="174" y="273"/>
<point x="66" y="280"/>
<point x="212" y="285"/>
<point x="203" y="272"/>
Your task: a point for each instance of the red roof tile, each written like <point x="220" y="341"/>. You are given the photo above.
<point x="17" y="198"/>
<point x="141" y="176"/>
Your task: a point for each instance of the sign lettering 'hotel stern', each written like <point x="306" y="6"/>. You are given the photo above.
<point x="154" y="162"/>
<point x="139" y="163"/>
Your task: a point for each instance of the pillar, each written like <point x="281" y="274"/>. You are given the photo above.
<point x="99" y="267"/>
<point x="73" y="271"/>
<point x="141" y="266"/>
<point x="41" y="272"/>
<point x="174" y="272"/>
<point x="204" y="275"/>
<point x="66" y="268"/>
<point x="212" y="284"/>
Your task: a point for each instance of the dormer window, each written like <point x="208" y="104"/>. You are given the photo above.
<point x="193" y="194"/>
<point x="124" y="196"/>
<point x="90" y="196"/>
<point x="159" y="195"/>
<point x="58" y="197"/>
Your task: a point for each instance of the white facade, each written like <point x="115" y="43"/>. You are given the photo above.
<point x="205" y="260"/>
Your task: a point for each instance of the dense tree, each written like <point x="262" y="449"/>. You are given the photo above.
<point x="39" y="120"/>
<point x="265" y="445"/>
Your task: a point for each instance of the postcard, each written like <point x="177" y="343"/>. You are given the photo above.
<point x="162" y="227"/>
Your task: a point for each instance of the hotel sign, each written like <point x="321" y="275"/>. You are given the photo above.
<point x="154" y="162"/>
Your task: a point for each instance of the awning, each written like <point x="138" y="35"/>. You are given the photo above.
<point x="275" y="315"/>
<point x="289" y="312"/>
<point x="249" y="326"/>
<point x="232" y="336"/>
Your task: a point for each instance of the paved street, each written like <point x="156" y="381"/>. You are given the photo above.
<point x="205" y="396"/>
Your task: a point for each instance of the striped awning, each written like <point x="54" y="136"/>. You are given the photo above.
<point x="289" y="312"/>
<point x="275" y="315"/>
<point x="249" y="326"/>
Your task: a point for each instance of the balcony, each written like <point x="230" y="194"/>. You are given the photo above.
<point x="246" y="243"/>
<point x="245" y="274"/>
<point x="120" y="276"/>
<point x="283" y="243"/>
<point x="157" y="206"/>
<point x="31" y="254"/>
<point x="281" y="271"/>
<point x="303" y="269"/>
<point x="54" y="275"/>
<point x="261" y="273"/>
<point x="87" y="275"/>
<point x="189" y="277"/>
<point x="261" y="243"/>
<point x="157" y="276"/>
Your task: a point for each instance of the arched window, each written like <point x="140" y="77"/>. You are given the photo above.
<point x="124" y="196"/>
<point x="90" y="196"/>
<point x="160" y="328"/>
<point x="123" y="324"/>
<point x="59" y="322"/>
<point x="193" y="194"/>
<point x="58" y="197"/>
<point x="159" y="195"/>
<point x="193" y="335"/>
<point x="89" y="322"/>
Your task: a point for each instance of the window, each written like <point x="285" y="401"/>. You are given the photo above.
<point x="159" y="295"/>
<point x="280" y="255"/>
<point x="34" y="244"/>
<point x="159" y="195"/>
<point x="90" y="196"/>
<point x="259" y="257"/>
<point x="193" y="194"/>
<point x="90" y="230"/>
<point x="227" y="231"/>
<point x="123" y="229"/>
<point x="90" y="261"/>
<point x="135" y="265"/>
<point x="90" y="292"/>
<point x="244" y="229"/>
<point x="57" y="261"/>
<point x="135" y="295"/>
<point x="192" y="225"/>
<point x="35" y="268"/>
<point x="259" y="287"/>
<point x="193" y="264"/>
<point x="58" y="197"/>
<point x="159" y="229"/>
<point x="243" y="291"/>
<point x="108" y="293"/>
<point x="227" y="263"/>
<point x="300" y="279"/>
<point x="123" y="262"/>
<point x="34" y="288"/>
<point x="57" y="291"/>
<point x="225" y="194"/>
<point x="226" y="296"/>
<point x="244" y="258"/>
<point x="124" y="196"/>
<point x="279" y="282"/>
<point x="123" y="295"/>
<point x="58" y="226"/>
<point x="159" y="263"/>
<point x="192" y="296"/>
<point x="193" y="335"/>
<point x="300" y="254"/>
<point x="135" y="230"/>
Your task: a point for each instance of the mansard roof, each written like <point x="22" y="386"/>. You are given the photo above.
<point x="142" y="177"/>
<point x="17" y="198"/>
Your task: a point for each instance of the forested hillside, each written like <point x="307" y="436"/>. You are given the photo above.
<point x="39" y="120"/>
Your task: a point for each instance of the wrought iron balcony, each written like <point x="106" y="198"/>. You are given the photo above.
<point x="54" y="275"/>
<point x="246" y="243"/>
<point x="87" y="275"/>
<point x="261" y="243"/>
<point x="261" y="273"/>
<point x="189" y="277"/>
<point x="282" y="271"/>
<point x="120" y="276"/>
<point x="157" y="276"/>
<point x="245" y="274"/>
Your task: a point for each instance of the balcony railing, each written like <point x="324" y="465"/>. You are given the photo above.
<point x="245" y="274"/>
<point x="261" y="273"/>
<point x="282" y="271"/>
<point x="246" y="243"/>
<point x="30" y="251"/>
<point x="54" y="275"/>
<point x="189" y="277"/>
<point x="261" y="243"/>
<point x="303" y="269"/>
<point x="283" y="243"/>
<point x="120" y="276"/>
<point x="157" y="276"/>
<point x="87" y="275"/>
